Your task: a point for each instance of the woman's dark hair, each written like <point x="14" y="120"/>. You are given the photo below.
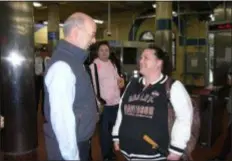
<point x="93" y="50"/>
<point x="102" y="43"/>
<point x="115" y="61"/>
<point x="112" y="55"/>
<point x="162" y="55"/>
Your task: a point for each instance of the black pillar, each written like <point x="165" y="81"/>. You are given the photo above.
<point x="19" y="136"/>
<point x="53" y="26"/>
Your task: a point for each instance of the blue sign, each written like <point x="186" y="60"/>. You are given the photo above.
<point x="53" y="35"/>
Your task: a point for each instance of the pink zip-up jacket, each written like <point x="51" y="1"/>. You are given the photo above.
<point x="108" y="77"/>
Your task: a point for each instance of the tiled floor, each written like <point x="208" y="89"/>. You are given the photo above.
<point x="200" y="154"/>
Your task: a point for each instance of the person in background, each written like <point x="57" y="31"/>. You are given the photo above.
<point x="226" y="149"/>
<point x="143" y="110"/>
<point x="46" y="60"/>
<point x="109" y="87"/>
<point x="70" y="105"/>
<point x="39" y="72"/>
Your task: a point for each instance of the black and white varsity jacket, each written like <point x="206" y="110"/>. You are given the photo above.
<point x="145" y="111"/>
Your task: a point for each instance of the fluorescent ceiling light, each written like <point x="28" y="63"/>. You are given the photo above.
<point x="37" y="4"/>
<point x="154" y="5"/>
<point x="46" y="22"/>
<point x="98" y="21"/>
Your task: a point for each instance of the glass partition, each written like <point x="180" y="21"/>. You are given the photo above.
<point x="219" y="56"/>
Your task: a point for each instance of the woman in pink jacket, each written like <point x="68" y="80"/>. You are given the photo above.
<point x="109" y="90"/>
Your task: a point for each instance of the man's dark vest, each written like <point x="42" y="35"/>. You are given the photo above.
<point x="84" y="106"/>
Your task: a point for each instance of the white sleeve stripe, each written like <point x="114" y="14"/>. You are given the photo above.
<point x="116" y="127"/>
<point x="175" y="152"/>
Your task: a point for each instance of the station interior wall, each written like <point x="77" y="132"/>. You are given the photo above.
<point x="120" y="27"/>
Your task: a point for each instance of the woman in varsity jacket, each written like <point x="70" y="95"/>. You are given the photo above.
<point x="143" y="111"/>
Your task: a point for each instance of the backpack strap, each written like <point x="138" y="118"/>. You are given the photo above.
<point x="103" y="102"/>
<point x="171" y="112"/>
<point x="168" y="85"/>
<point x="87" y="68"/>
<point x="97" y="79"/>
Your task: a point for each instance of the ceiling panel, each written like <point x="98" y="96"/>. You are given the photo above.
<point x="97" y="9"/>
<point x="94" y="9"/>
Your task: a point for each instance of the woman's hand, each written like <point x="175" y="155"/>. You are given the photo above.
<point x="173" y="156"/>
<point x="121" y="83"/>
<point x="116" y="146"/>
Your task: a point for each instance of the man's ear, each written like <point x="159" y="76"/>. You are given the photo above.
<point x="73" y="32"/>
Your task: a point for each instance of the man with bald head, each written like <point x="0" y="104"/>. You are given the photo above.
<point x="70" y="107"/>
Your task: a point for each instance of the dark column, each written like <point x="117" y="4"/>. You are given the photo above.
<point x="53" y="26"/>
<point x="19" y="136"/>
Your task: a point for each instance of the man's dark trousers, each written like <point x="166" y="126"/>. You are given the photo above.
<point x="55" y="154"/>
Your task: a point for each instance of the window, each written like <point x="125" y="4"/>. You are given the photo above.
<point x="147" y="36"/>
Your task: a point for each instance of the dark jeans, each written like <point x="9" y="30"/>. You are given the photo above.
<point x="108" y="118"/>
<point x="39" y="87"/>
<point x="227" y="144"/>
